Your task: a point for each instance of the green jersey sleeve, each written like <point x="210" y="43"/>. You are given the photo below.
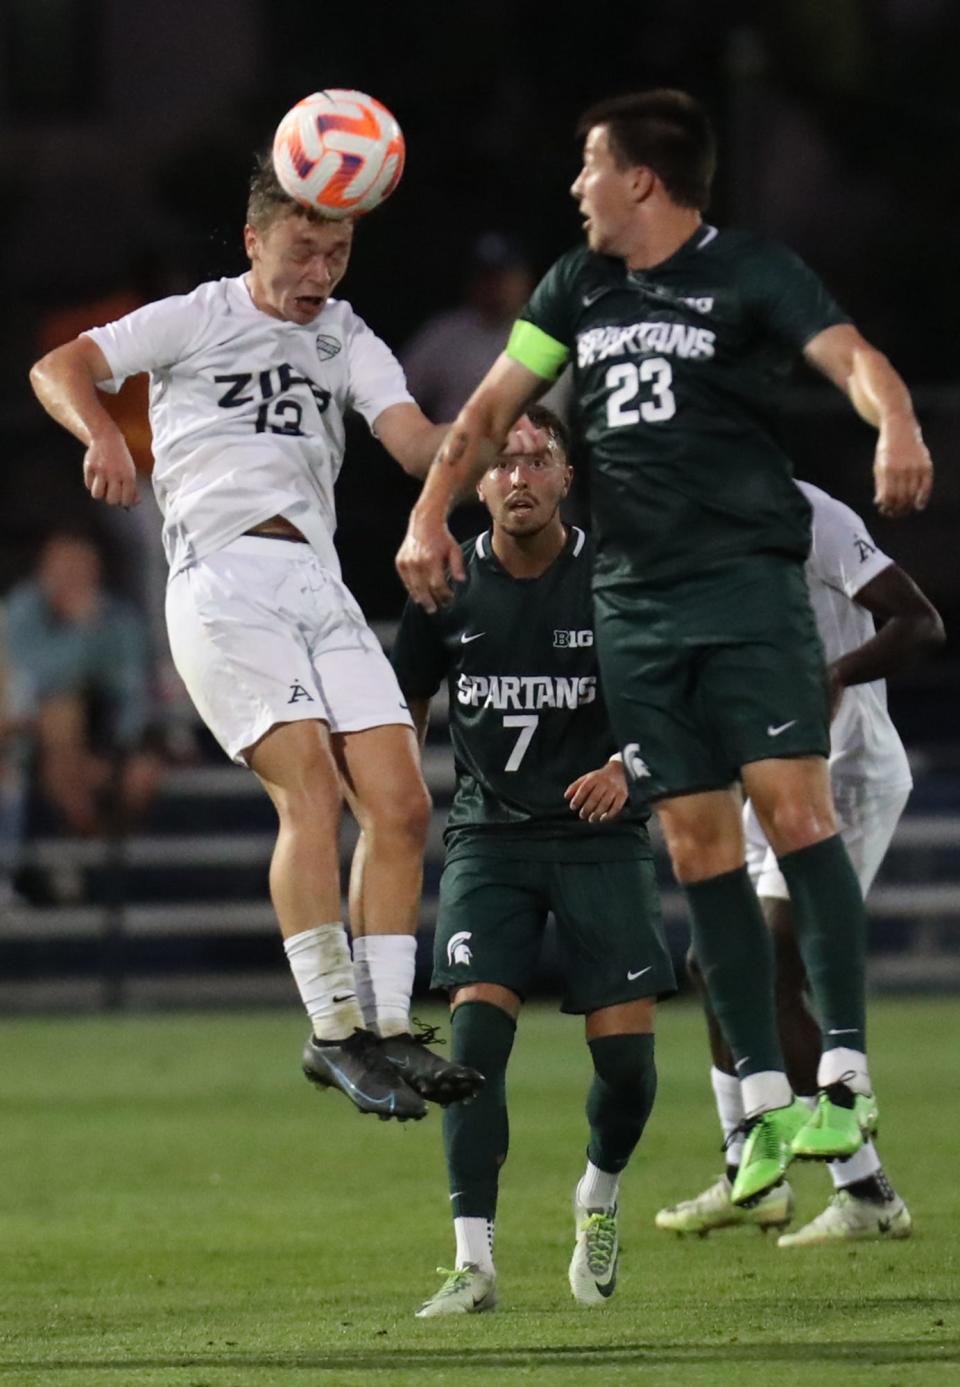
<point x="790" y="300"/>
<point x="418" y="656"/>
<point x="543" y="335"/>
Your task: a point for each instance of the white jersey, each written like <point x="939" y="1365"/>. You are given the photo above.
<point x="247" y="411"/>
<point x="864" y="744"/>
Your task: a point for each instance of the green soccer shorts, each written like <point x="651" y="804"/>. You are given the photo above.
<point x="717" y="672"/>
<point x="493" y="911"/>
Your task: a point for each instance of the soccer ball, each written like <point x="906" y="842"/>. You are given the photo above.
<point x="339" y="152"/>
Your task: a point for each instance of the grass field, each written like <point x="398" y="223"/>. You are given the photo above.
<point x="178" y="1207"/>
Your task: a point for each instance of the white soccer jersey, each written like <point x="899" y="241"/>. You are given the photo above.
<point x="864" y="744"/>
<point x="247" y="411"/>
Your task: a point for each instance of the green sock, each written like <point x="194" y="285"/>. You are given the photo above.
<point x="831" y="925"/>
<point x="476" y="1134"/>
<point x="735" y="953"/>
<point x="620" y="1098"/>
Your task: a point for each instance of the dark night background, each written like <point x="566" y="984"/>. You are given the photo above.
<point x="128" y="130"/>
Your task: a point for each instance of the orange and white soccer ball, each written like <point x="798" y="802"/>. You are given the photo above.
<point x="340" y="152"/>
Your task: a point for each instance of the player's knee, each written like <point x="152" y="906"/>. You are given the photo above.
<point x="624" y="1062"/>
<point x="695" y="859"/>
<point x="403" y="815"/>
<point x="795" y="824"/>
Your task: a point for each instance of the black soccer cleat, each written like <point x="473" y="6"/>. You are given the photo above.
<point x="441" y="1081"/>
<point x="358" y="1068"/>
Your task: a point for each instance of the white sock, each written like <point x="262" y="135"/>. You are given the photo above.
<point x="385" y="965"/>
<point x="764" y="1091"/>
<point x="474" y="1242"/>
<point x="809" y="1100"/>
<point x="323" y="971"/>
<point x="597" y="1188"/>
<point x="848" y="1066"/>
<point x="729" y="1101"/>
<point x="860" y="1166"/>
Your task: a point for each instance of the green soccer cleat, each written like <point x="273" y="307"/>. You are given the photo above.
<point x="767" y="1150"/>
<point x="848" y="1219"/>
<point x="596" y="1255"/>
<point x="714" y="1209"/>
<point x="466" y="1291"/>
<point x="837" y="1126"/>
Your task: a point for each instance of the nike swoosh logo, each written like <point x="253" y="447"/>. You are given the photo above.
<point x="595" y="294"/>
<point x="632" y="977"/>
<point x="739" y="1064"/>
<point x="465" y="639"/>
<point x="345" y="997"/>
<point x="775" y="731"/>
<point x="849" y="1030"/>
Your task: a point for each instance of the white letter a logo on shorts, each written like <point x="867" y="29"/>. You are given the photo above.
<point x="298" y="693"/>
<point x="458" y="950"/>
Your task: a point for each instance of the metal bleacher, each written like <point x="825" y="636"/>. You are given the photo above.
<point x="177" y="914"/>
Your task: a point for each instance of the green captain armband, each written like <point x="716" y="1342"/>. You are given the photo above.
<point x="533" y="348"/>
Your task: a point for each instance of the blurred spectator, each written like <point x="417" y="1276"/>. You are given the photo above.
<point x="12" y="723"/>
<point x="79" y="657"/>
<point x="452" y="352"/>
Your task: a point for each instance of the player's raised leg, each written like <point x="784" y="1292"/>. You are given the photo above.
<point x="864" y="1205"/>
<point x="476" y="1139"/>
<point x="295" y="764"/>
<point x="793" y="802"/>
<point x="380" y="767"/>
<point x="713" y="1207"/>
<point x="704" y="835"/>
<point x="619" y="1102"/>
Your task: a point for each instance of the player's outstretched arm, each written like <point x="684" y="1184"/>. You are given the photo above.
<point x="409" y="437"/>
<point x="65" y="383"/>
<point x="910" y="628"/>
<point x="429" y="556"/>
<point x="599" y="795"/>
<point x="902" y="469"/>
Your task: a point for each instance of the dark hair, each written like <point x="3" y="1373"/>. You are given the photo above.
<point x="664" y="130"/>
<point x="267" y="201"/>
<point x="542" y="418"/>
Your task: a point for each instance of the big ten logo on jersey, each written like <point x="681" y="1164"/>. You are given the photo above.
<point x="572" y="640"/>
<point x="275" y="393"/>
<point x="703" y="304"/>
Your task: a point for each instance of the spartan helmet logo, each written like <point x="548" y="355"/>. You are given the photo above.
<point x="458" y="950"/>
<point x="634" y="763"/>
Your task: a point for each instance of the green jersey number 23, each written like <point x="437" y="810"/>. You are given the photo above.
<point x="625" y="382"/>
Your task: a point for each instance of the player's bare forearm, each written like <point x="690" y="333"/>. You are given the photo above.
<point x="903" y="471"/>
<point x="910" y="628"/>
<point x="429" y="559"/>
<point x="65" y="383"/>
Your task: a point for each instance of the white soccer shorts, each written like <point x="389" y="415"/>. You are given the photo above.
<point x="261" y="633"/>
<point x="867" y="820"/>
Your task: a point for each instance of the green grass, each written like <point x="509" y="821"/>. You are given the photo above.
<point x="178" y="1207"/>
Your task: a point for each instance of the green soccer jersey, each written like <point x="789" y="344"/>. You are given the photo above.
<point x="676" y="371"/>
<point x="526" y="712"/>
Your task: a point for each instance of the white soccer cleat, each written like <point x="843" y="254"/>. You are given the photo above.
<point x="848" y="1219"/>
<point x="466" y="1291"/>
<point x="596" y="1255"/>
<point x="715" y="1209"/>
